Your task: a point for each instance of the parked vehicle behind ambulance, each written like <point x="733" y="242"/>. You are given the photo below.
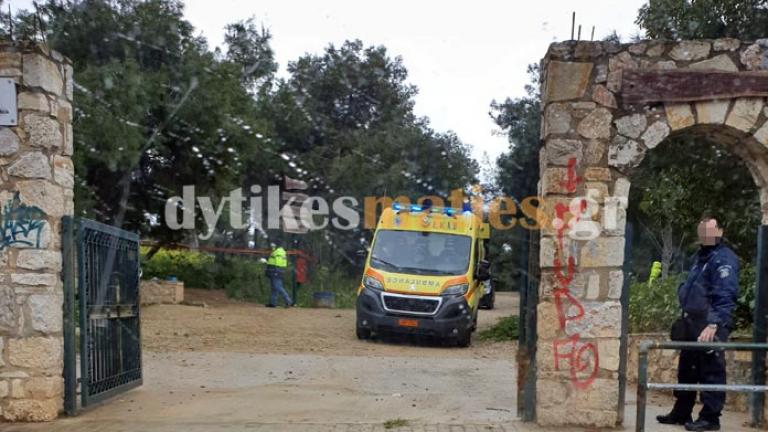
<point x="423" y="274"/>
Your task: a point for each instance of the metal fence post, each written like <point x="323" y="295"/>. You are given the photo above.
<point x="642" y="384"/>
<point x="760" y="325"/>
<point x="70" y="342"/>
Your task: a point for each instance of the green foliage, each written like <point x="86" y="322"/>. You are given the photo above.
<point x="517" y="176"/>
<point x="704" y="19"/>
<point x="653" y="308"/>
<point x="324" y="279"/>
<point x="505" y="329"/>
<point x="192" y="268"/>
<point x="395" y="423"/>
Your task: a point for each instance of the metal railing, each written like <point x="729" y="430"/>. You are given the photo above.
<point x="643" y="385"/>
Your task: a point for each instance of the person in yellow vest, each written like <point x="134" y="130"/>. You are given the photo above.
<point x="276" y="265"/>
<point x="655" y="273"/>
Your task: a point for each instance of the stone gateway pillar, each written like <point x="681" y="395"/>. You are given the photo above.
<point x="36" y="190"/>
<point x="605" y="105"/>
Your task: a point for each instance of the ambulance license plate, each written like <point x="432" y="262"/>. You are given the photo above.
<point x="408" y="323"/>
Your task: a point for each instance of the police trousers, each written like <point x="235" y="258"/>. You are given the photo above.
<point x="701" y="367"/>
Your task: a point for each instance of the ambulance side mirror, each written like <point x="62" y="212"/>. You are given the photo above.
<point x="483" y="272"/>
<point x="362" y="253"/>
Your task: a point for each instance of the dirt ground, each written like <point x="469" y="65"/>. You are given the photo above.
<point x="233" y="366"/>
<point x="226" y="325"/>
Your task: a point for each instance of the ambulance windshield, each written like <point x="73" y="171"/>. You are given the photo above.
<point x="418" y="252"/>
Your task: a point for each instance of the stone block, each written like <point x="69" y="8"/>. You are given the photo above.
<point x="761" y="135"/>
<point x="64" y="171"/>
<point x="621" y="61"/>
<point x="655" y="49"/>
<point x="43" y="73"/>
<point x="9" y="312"/>
<point x="552" y="393"/>
<point x="567" y="80"/>
<point x="609" y="353"/>
<point x="754" y="57"/>
<point x="712" y="112"/>
<point x="596" y="125"/>
<point x="5" y="389"/>
<point x="39" y="259"/>
<point x="690" y="50"/>
<point x="744" y="113"/>
<point x="38" y="279"/>
<point x="69" y="82"/>
<point x="553" y="181"/>
<point x="9" y="142"/>
<point x="726" y="44"/>
<point x="31" y="410"/>
<point x="597" y="174"/>
<point x="655" y="134"/>
<point x="33" y="101"/>
<point x="615" y="284"/>
<point x="602" y="252"/>
<point x="43" y="131"/>
<point x="603" y="96"/>
<point x="718" y="63"/>
<point x="45" y="313"/>
<point x="613" y="82"/>
<point x="679" y="116"/>
<point x="555" y="416"/>
<point x="664" y="65"/>
<point x="594" y="152"/>
<point x="631" y="126"/>
<point x="547" y="322"/>
<point x="44" y="195"/>
<point x="560" y="151"/>
<point x="625" y="153"/>
<point x="600" y="320"/>
<point x="31" y="165"/>
<point x="557" y="119"/>
<point x="593" y="286"/>
<point x="44" y="387"/>
<point x="43" y="353"/>
<point x="638" y="48"/>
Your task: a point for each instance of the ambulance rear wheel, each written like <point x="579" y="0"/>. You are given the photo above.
<point x="363" y="333"/>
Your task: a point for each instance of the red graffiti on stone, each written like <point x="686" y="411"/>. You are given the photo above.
<point x="583" y="359"/>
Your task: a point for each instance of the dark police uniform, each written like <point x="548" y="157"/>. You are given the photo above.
<point x="708" y="296"/>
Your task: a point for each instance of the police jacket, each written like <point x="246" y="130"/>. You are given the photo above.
<point x="711" y="289"/>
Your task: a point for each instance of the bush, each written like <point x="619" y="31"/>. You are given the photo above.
<point x="242" y="277"/>
<point x="505" y="329"/>
<point x="654" y="308"/>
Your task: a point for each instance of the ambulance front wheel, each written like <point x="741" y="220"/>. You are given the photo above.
<point x="465" y="340"/>
<point x="363" y="333"/>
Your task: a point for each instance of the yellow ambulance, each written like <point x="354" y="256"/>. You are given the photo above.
<point x="424" y="274"/>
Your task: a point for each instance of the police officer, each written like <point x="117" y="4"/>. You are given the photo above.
<point x="707" y="299"/>
<point x="276" y="265"/>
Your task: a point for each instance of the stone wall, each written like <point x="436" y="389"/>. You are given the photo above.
<point x="591" y="141"/>
<point x="37" y="178"/>
<point x="157" y="291"/>
<point x="662" y="367"/>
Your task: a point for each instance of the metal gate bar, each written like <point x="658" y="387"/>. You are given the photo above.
<point x="107" y="262"/>
<point x="760" y="323"/>
<point x="642" y="374"/>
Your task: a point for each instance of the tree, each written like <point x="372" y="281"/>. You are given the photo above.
<point x="517" y="177"/>
<point x="156" y="109"/>
<point x="704" y="19"/>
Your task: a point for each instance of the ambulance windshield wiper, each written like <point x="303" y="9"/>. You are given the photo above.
<point x="385" y="263"/>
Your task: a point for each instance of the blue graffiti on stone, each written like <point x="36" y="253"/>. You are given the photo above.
<point x="21" y="224"/>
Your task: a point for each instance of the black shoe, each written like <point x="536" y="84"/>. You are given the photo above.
<point x="270" y="305"/>
<point x="673" y="419"/>
<point x="702" y="425"/>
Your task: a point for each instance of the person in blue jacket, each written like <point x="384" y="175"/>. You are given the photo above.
<point x="707" y="299"/>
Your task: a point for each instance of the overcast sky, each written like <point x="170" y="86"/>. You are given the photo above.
<point x="461" y="55"/>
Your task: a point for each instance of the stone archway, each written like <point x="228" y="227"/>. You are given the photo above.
<point x="605" y="105"/>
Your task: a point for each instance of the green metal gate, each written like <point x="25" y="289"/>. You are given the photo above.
<point x="103" y="302"/>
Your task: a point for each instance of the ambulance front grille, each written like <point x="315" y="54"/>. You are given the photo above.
<point x="413" y="305"/>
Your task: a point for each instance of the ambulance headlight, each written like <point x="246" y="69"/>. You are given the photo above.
<point x="455" y="290"/>
<point x="372" y="283"/>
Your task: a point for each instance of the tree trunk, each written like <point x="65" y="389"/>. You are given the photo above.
<point x="668" y="250"/>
